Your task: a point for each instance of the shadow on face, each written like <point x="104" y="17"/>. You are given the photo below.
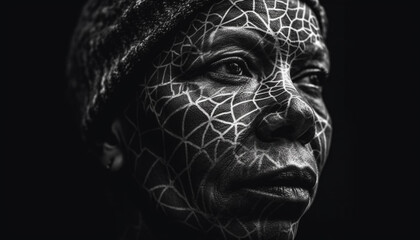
<point x="228" y="132"/>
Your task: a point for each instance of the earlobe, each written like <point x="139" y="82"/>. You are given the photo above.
<point x="112" y="157"/>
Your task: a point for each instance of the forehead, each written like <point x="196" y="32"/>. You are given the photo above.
<point x="286" y="21"/>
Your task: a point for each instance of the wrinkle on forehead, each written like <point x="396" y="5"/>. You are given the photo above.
<point x="289" y="24"/>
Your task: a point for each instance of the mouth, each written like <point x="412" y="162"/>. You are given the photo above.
<point x="290" y="183"/>
<point x="288" y="190"/>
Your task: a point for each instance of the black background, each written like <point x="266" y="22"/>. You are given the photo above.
<point x="53" y="192"/>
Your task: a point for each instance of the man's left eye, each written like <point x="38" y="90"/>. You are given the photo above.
<point x="233" y="66"/>
<point x="314" y="77"/>
<point x="310" y="80"/>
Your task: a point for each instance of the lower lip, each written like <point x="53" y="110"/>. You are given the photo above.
<point x="281" y="193"/>
<point x="270" y="202"/>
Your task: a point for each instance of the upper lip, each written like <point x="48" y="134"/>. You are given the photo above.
<point x="290" y="176"/>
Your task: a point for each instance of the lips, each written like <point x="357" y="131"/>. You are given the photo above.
<point x="290" y="177"/>
<point x="287" y="191"/>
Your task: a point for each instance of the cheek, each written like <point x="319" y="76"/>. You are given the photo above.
<point x="321" y="143"/>
<point x="199" y="126"/>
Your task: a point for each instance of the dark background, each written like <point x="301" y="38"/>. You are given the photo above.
<point x="52" y="189"/>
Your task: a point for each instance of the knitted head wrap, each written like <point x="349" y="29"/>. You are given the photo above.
<point x="113" y="38"/>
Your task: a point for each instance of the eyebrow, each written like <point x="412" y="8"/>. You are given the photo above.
<point x="237" y="36"/>
<point x="261" y="45"/>
<point x="317" y="54"/>
<point x="228" y="38"/>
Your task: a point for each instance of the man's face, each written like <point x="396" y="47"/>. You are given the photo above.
<point x="229" y="131"/>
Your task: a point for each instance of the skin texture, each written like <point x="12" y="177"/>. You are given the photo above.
<point x="234" y="102"/>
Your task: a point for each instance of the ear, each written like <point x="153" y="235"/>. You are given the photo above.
<point x="111" y="156"/>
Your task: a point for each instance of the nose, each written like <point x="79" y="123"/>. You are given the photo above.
<point x="293" y="119"/>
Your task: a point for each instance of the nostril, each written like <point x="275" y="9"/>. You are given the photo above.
<point x="289" y="131"/>
<point x="307" y="136"/>
<point x="283" y="132"/>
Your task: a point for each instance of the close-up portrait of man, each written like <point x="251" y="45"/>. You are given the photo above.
<point x="187" y="119"/>
<point x="210" y="119"/>
<point x="212" y="112"/>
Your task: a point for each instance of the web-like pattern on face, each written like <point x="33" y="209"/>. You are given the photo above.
<point x="229" y="99"/>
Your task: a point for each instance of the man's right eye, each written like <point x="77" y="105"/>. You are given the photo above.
<point x="232" y="66"/>
<point x="230" y="70"/>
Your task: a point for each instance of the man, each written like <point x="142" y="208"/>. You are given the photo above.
<point x="209" y="112"/>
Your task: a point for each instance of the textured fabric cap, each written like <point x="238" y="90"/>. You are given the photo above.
<point x="115" y="36"/>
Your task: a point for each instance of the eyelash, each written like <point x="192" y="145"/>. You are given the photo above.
<point x="216" y="71"/>
<point x="311" y="80"/>
<point x="319" y="74"/>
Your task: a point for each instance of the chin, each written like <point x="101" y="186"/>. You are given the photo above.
<point x="235" y="229"/>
